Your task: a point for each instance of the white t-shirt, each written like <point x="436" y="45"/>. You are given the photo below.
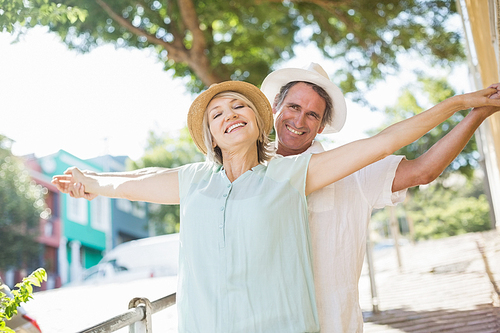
<point x="338" y="220"/>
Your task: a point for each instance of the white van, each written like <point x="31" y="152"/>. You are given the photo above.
<point x="137" y="259"/>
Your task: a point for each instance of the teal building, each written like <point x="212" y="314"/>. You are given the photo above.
<point x="90" y="228"/>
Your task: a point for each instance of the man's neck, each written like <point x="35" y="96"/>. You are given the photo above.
<point x="283" y="151"/>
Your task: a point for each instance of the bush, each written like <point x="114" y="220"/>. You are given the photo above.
<point x="23" y="293"/>
<point x="439" y="212"/>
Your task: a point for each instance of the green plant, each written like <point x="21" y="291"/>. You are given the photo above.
<point x="22" y="294"/>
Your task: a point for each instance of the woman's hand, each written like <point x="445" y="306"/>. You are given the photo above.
<point x="489" y="97"/>
<point x="79" y="192"/>
<point x="491" y="109"/>
<point x="72" y="183"/>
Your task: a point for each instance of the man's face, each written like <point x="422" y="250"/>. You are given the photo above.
<point x="299" y="120"/>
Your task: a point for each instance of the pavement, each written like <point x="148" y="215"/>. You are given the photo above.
<point x="445" y="285"/>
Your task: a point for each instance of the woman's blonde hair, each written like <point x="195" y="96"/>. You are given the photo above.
<point x="264" y="151"/>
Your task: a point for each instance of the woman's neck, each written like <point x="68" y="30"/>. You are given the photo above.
<point x="237" y="163"/>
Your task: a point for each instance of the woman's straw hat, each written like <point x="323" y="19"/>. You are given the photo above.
<point x="199" y="105"/>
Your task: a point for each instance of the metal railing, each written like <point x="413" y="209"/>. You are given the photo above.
<point x="138" y="317"/>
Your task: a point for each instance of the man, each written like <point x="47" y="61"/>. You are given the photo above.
<point x="306" y="103"/>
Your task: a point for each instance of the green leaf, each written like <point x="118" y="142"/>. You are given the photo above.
<point x="22" y="294"/>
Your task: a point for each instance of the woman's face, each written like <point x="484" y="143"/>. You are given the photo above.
<point x="231" y="122"/>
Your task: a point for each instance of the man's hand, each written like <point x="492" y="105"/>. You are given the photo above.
<point x="491" y="109"/>
<point x="486" y="97"/>
<point x="432" y="163"/>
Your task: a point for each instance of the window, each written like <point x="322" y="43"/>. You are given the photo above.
<point x="124" y="205"/>
<point x="100" y="213"/>
<point x="139" y="209"/>
<point x="77" y="210"/>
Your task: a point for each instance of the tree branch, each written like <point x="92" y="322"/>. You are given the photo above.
<point x="175" y="54"/>
<point x="195" y="57"/>
<point x="178" y="37"/>
<point x="190" y="19"/>
<point x="198" y="60"/>
<point x="325" y="4"/>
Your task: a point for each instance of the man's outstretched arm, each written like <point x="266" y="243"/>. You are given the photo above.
<point x="432" y="163"/>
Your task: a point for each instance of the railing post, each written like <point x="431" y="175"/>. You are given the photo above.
<point x="145" y="325"/>
<point x="371" y="273"/>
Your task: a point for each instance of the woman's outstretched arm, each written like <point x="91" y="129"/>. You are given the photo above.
<point x="328" y="167"/>
<point x="161" y="187"/>
<point x="78" y="190"/>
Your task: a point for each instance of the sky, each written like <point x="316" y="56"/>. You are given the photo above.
<point x="106" y="101"/>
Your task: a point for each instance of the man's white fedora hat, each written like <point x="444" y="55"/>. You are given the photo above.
<point x="314" y="73"/>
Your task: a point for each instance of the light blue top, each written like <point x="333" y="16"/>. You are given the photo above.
<point x="245" y="258"/>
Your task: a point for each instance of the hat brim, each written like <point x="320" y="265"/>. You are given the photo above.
<point x="199" y="106"/>
<point x="273" y="82"/>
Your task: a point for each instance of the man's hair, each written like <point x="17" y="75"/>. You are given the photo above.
<point x="327" y="115"/>
<point x="264" y="152"/>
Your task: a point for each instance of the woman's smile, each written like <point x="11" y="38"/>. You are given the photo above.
<point x="235" y="126"/>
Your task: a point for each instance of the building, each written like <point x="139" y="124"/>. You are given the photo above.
<point x="129" y="219"/>
<point x="481" y="22"/>
<point x="79" y="232"/>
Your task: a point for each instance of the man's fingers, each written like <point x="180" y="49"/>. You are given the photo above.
<point x="495" y="86"/>
<point x="493" y="90"/>
<point x="495" y="94"/>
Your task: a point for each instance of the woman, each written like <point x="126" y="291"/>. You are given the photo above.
<point x="245" y="257"/>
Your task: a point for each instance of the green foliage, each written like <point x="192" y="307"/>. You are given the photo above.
<point x="419" y="97"/>
<point x="21" y="203"/>
<point x="16" y="15"/>
<point x="439" y="211"/>
<point x="210" y="40"/>
<point x="167" y="152"/>
<point x="365" y="37"/>
<point x="22" y="294"/>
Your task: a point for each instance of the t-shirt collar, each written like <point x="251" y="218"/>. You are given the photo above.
<point x="316" y="147"/>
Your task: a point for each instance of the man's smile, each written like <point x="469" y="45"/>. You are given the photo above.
<point x="294" y="131"/>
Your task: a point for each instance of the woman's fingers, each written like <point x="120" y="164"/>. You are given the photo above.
<point x="64" y="183"/>
<point x="70" y="183"/>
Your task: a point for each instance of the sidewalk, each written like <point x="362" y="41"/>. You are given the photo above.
<point x="442" y="286"/>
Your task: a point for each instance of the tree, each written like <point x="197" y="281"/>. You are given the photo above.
<point x="210" y="41"/>
<point x="437" y="211"/>
<point x="22" y="14"/>
<point x="416" y="98"/>
<point x="441" y="212"/>
<point x="455" y="202"/>
<point x="21" y="203"/>
<point x="168" y="152"/>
